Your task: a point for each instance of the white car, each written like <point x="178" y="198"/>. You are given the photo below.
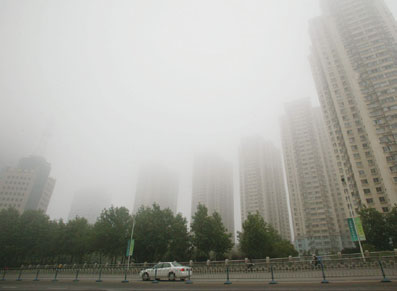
<point x="166" y="270"/>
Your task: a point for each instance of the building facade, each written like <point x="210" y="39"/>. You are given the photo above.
<point x="319" y="210"/>
<point x="354" y="65"/>
<point x="27" y="186"/>
<point x="89" y="203"/>
<point x="156" y="184"/>
<point x="212" y="186"/>
<point x="262" y="187"/>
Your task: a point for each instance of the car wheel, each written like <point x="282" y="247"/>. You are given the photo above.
<point x="171" y="276"/>
<point x="145" y="277"/>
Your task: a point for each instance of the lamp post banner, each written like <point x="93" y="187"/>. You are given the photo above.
<point x="352" y="229"/>
<point x="130" y="247"/>
<point x="359" y="228"/>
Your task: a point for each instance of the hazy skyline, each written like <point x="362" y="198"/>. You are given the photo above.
<point x="114" y="84"/>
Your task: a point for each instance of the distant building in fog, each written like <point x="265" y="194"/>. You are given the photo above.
<point x="89" y="203"/>
<point x="262" y="186"/>
<point x="213" y="187"/>
<point x="27" y="186"/>
<point x="156" y="184"/>
<point x="319" y="209"/>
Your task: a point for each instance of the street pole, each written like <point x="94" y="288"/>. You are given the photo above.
<point x="132" y="232"/>
<point x="355" y="228"/>
<point x="129" y="255"/>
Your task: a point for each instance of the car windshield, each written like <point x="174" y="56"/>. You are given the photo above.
<point x="176" y="264"/>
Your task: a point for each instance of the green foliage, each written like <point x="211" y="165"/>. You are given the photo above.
<point x="112" y="231"/>
<point x="159" y="235"/>
<point x="180" y="240"/>
<point x="32" y="238"/>
<point x="209" y="235"/>
<point x="259" y="240"/>
<point x="8" y="238"/>
<point x="77" y="235"/>
<point x="284" y="248"/>
<point x="375" y="228"/>
<point x="33" y="229"/>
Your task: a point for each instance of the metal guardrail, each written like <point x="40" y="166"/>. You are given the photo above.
<point x="373" y="268"/>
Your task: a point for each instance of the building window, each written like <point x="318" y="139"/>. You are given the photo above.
<point x="367" y="191"/>
<point x="382" y="199"/>
<point x="378" y="189"/>
<point x="370" y="201"/>
<point x="385" y="209"/>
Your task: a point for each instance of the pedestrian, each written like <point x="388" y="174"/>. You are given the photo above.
<point x="315" y="260"/>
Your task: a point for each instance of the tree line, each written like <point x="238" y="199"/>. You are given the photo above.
<point x="159" y="234"/>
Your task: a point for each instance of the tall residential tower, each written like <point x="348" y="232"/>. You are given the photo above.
<point x="27" y="186"/>
<point x="156" y="184"/>
<point x="354" y="64"/>
<point x="213" y="187"/>
<point x="318" y="208"/>
<point x="262" y="186"/>
<point x="89" y="203"/>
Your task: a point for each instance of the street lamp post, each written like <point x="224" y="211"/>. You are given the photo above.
<point x="129" y="253"/>
<point x="355" y="228"/>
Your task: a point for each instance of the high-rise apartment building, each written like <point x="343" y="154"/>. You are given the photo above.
<point x="27" y="186"/>
<point x="156" y="184"/>
<point x="213" y="187"/>
<point x="354" y="64"/>
<point x="89" y="203"/>
<point x="318" y="207"/>
<point x="262" y="187"/>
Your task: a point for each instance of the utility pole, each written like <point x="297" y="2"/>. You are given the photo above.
<point x="355" y="228"/>
<point x="132" y="232"/>
<point x="129" y="252"/>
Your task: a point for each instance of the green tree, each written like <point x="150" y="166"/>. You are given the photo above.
<point x="151" y="233"/>
<point x="209" y="234"/>
<point x="221" y="239"/>
<point x="179" y="244"/>
<point x="55" y="245"/>
<point x="255" y="241"/>
<point x="112" y="231"/>
<point x="159" y="235"/>
<point x="77" y="235"/>
<point x="33" y="233"/>
<point x="259" y="240"/>
<point x="8" y="236"/>
<point x="284" y="248"/>
<point x="375" y="229"/>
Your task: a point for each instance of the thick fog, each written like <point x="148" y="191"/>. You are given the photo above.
<point x="100" y="87"/>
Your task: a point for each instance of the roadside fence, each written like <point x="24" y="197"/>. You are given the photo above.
<point x="326" y="269"/>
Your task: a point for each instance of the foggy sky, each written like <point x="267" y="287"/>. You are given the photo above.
<point x="99" y="87"/>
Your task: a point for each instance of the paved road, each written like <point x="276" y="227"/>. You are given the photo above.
<point x="196" y="286"/>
